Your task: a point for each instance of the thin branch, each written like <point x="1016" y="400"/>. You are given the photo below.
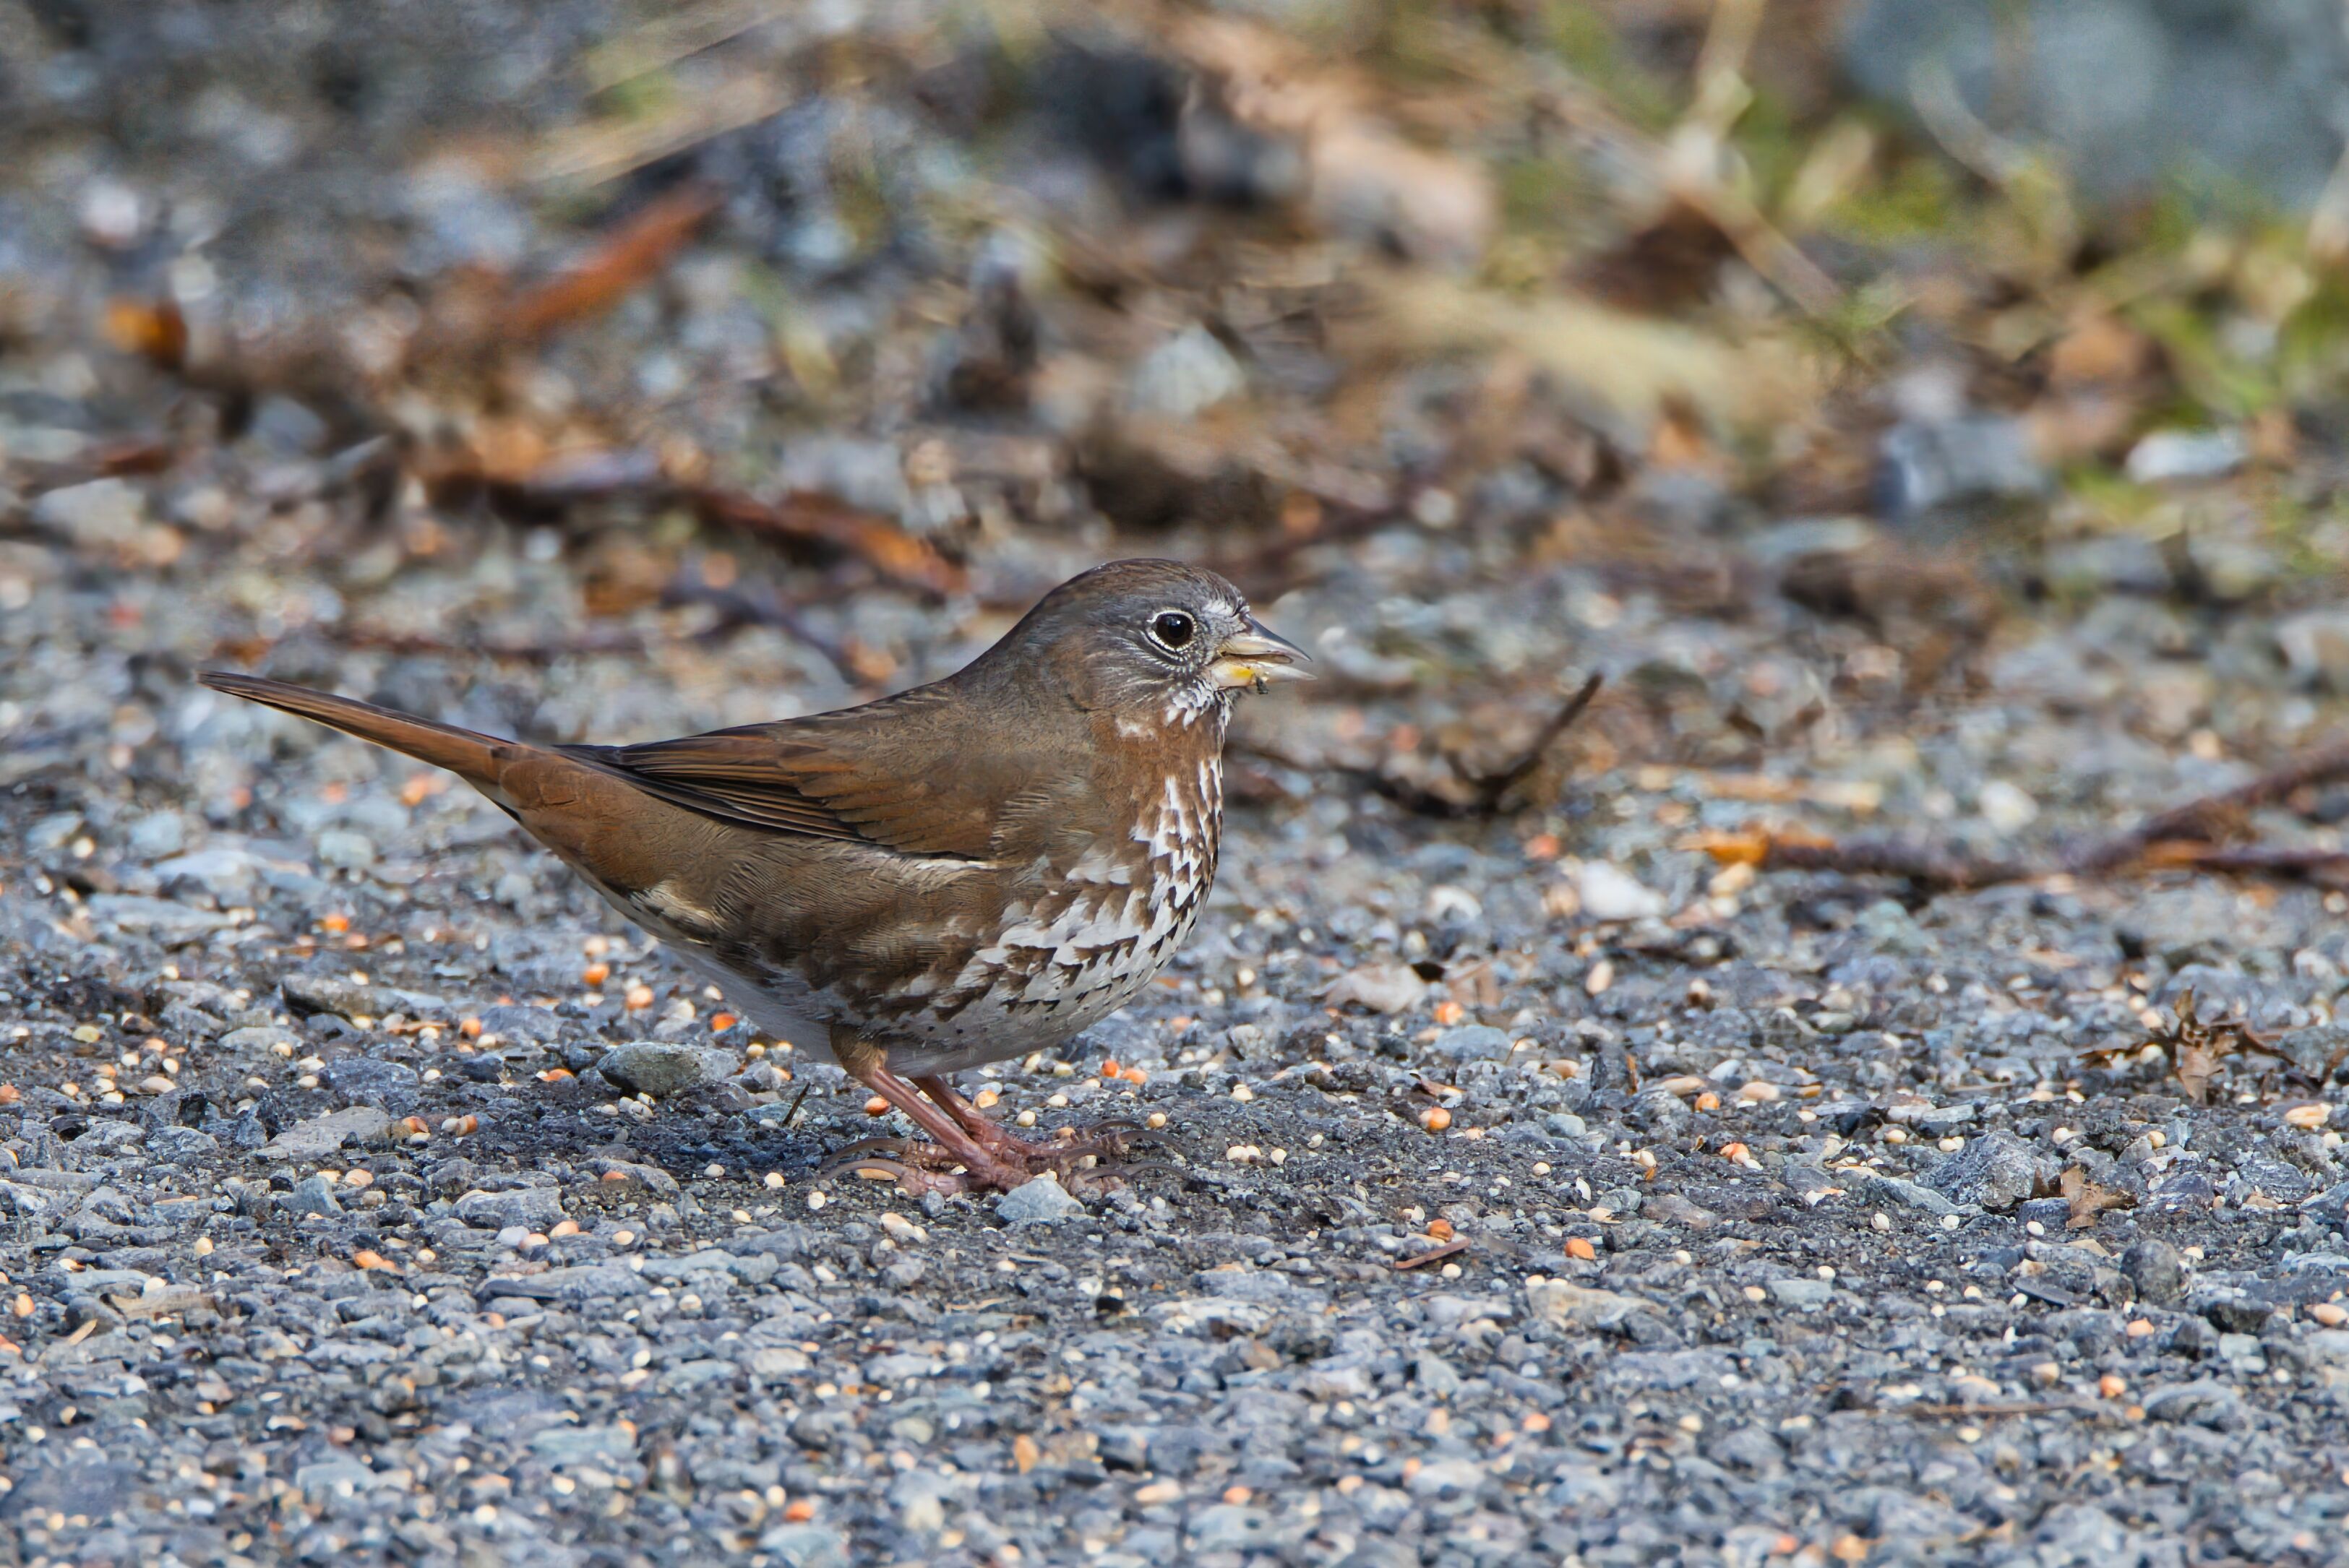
<point x="1490" y="787"/>
<point x="2188" y="837"/>
<point x="1488" y="791"/>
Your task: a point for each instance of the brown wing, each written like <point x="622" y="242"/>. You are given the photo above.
<point x="893" y="774"/>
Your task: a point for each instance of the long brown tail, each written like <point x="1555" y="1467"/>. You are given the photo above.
<point x="586" y="810"/>
<point x="472" y="757"/>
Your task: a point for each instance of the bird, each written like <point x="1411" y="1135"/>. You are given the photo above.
<point x="964" y="871"/>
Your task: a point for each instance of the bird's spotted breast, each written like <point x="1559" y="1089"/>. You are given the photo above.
<point x="1082" y="944"/>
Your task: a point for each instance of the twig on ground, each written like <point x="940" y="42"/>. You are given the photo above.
<point x="1488" y="791"/>
<point x="1492" y="787"/>
<point x="2187" y="837"/>
<point x="630" y="257"/>
<point x="108" y="458"/>
<point x="737" y="609"/>
<point x="808" y="517"/>
<point x="1456" y="1245"/>
<point x="1929" y="865"/>
<point x="803" y="520"/>
<point x="2328" y="868"/>
<point x="2204" y="819"/>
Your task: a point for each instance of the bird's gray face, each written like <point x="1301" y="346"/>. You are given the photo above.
<point x="1185" y="653"/>
<point x="1155" y="641"/>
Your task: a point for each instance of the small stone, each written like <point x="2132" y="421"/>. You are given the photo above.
<point x="1041" y="1200"/>
<point x="1611" y="894"/>
<point x="529" y="1208"/>
<point x="1924" y="465"/>
<point x="2157" y="1270"/>
<point x="367" y="1080"/>
<point x="665" y="1068"/>
<point x="259" y="1038"/>
<point x="598" y="1444"/>
<point x="180" y="1145"/>
<point x="1568" y="1305"/>
<point x="346" y="849"/>
<point x="173" y="924"/>
<point x="2315" y="646"/>
<point x="313" y="1195"/>
<point x="2163" y="456"/>
<point x="2204" y="1403"/>
<point x="1996" y="1170"/>
<point x="1378" y="988"/>
<point x="526" y="1026"/>
<point x="103" y="514"/>
<point x="2052" y="1213"/>
<point x="1474" y="1043"/>
<point x="2006" y="808"/>
<point x="1185" y="376"/>
<point x="307" y="994"/>
<point x="322" y="1134"/>
<point x="798" y="1544"/>
<point x="158" y="835"/>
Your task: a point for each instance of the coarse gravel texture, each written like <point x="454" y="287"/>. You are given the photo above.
<point x="366" y="1193"/>
<point x="1753" y="1186"/>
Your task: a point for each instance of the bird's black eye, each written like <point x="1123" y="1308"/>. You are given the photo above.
<point x="1172" y="629"/>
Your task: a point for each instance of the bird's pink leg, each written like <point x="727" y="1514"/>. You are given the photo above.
<point x="982" y="1167"/>
<point x="1069" y="1145"/>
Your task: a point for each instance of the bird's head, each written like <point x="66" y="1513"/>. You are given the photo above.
<point x="1156" y="642"/>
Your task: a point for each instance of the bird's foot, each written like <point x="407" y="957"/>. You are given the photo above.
<point x="967" y="1152"/>
<point x="1062" y="1148"/>
<point x="1079" y="1163"/>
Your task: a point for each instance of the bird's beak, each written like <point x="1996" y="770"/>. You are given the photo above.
<point x="1257" y="656"/>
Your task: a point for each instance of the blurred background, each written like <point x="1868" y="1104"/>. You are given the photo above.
<point x="1823" y="370"/>
<point x="1927" y="417"/>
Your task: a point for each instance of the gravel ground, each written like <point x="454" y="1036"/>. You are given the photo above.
<point x="1537" y="1187"/>
<point x="333" y="1229"/>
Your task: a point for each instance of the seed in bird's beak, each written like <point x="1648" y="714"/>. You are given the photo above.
<point x="1256" y="656"/>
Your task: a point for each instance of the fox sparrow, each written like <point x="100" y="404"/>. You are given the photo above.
<point x="962" y="872"/>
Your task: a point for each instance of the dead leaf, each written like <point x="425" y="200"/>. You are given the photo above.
<point x="2195" y="1050"/>
<point x="152" y="329"/>
<point x="1380" y="988"/>
<point x="2088" y="1199"/>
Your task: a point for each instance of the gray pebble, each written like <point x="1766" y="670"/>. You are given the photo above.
<point x="533" y="1208"/>
<point x="313" y="1195"/>
<point x="665" y="1068"/>
<point x="323" y="1135"/>
<point x="1040" y="1202"/>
